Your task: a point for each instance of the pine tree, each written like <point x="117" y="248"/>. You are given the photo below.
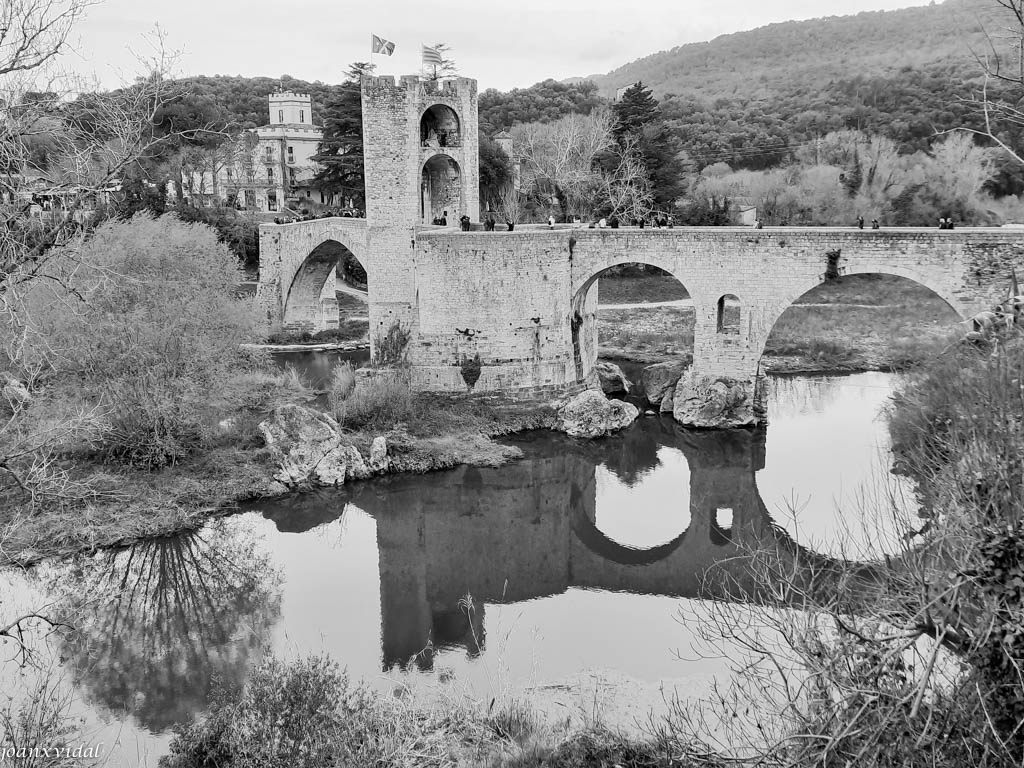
<point x="635" y="109"/>
<point x="341" y="151"/>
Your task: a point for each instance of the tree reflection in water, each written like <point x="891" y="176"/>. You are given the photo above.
<point x="162" y="623"/>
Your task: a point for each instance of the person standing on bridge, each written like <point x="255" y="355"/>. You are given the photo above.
<point x="860" y="222"/>
<point x="551" y="221"/>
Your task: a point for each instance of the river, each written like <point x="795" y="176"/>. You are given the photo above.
<point x="573" y="577"/>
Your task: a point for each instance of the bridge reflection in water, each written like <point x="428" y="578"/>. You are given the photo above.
<point x="529" y="530"/>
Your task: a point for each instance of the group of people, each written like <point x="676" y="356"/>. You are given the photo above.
<point x="945" y="223"/>
<point x="860" y="223"/>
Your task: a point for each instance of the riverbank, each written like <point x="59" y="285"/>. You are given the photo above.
<point x="424" y="432"/>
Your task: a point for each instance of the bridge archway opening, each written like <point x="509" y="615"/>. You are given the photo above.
<point x="728" y="314"/>
<point x="630" y="312"/>
<point x="439" y="127"/>
<point x="862" y="317"/>
<point x="328" y="292"/>
<point x="440" y="190"/>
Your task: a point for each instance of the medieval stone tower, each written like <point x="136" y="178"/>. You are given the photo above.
<point x="421" y="164"/>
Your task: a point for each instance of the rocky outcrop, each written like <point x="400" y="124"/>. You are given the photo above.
<point x="379" y="455"/>
<point x="714" y="402"/>
<point x="613" y="381"/>
<point x="307" y="449"/>
<point x="591" y="414"/>
<point x="659" y="380"/>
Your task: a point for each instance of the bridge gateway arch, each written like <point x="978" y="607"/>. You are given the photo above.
<point x="523" y="302"/>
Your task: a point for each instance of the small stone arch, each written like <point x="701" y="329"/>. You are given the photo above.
<point x="440" y="127"/>
<point x="306" y="307"/>
<point x="441" y="194"/>
<point x="728" y="314"/>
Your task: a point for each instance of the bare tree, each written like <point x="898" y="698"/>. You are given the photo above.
<point x="1002" y="66"/>
<point x="557" y="159"/>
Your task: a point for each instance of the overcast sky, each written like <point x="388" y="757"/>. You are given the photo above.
<point x="503" y="44"/>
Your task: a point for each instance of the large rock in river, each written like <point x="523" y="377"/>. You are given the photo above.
<point x="659" y="380"/>
<point x="613" y="380"/>
<point x="591" y="414"/>
<point x="306" y="446"/>
<point x="714" y="402"/>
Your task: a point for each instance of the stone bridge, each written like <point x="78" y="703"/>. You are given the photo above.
<point x="524" y="302"/>
<point x="507" y="311"/>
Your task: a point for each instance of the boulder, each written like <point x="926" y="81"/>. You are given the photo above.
<point x="591" y="414"/>
<point x="15" y="393"/>
<point x="661" y="378"/>
<point x="613" y="381"/>
<point x="379" y="455"/>
<point x="306" y="447"/>
<point x="714" y="402"/>
<point x="668" y="401"/>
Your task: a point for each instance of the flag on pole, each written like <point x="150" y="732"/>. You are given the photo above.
<point x="431" y="56"/>
<point x="380" y="45"/>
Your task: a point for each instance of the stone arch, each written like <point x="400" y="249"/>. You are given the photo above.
<point x="728" y="310"/>
<point x="583" y="307"/>
<point x="440" y="127"/>
<point x="441" y="194"/>
<point x="305" y="306"/>
<point x="772" y="314"/>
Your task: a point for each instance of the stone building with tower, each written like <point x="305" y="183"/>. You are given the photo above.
<point x="267" y="169"/>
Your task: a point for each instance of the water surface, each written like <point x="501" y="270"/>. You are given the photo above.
<point x="572" y="575"/>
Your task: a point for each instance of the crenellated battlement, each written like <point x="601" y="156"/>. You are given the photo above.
<point x="289" y="96"/>
<point x="418" y="88"/>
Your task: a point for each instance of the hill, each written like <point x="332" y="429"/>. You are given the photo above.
<point x="812" y="53"/>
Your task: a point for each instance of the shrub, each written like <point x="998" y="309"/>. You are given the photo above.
<point x="380" y="400"/>
<point x="146" y="320"/>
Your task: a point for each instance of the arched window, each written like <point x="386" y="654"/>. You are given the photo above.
<point x="729" y="314"/>
<point x="439" y="127"/>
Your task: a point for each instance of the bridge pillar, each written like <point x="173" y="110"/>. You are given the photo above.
<point x="720" y="389"/>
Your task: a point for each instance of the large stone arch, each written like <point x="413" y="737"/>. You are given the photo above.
<point x="592" y="268"/>
<point x="308" y="300"/>
<point x="582" y="320"/>
<point x="797" y="289"/>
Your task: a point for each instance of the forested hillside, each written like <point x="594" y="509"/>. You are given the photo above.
<point x="809" y="55"/>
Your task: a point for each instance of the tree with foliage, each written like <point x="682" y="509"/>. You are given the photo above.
<point x="544" y="102"/>
<point x="495" y="172"/>
<point x="341" y="152"/>
<point x="640" y="126"/>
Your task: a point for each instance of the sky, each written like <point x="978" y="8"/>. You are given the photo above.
<point x="503" y="45"/>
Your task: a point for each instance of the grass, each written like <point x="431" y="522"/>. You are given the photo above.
<point x="639" y="290"/>
<point x="293" y="713"/>
<point x="860" y="322"/>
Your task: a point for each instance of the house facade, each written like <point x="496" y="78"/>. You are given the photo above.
<point x="268" y="169"/>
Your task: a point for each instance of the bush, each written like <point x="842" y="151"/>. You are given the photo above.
<point x="149" y="328"/>
<point x="380" y="400"/>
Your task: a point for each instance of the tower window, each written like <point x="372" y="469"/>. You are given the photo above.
<point x="270" y="174"/>
<point x="268" y="152"/>
<point x="291" y="154"/>
<point x="302" y="115"/>
<point x="280" y="115"/>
